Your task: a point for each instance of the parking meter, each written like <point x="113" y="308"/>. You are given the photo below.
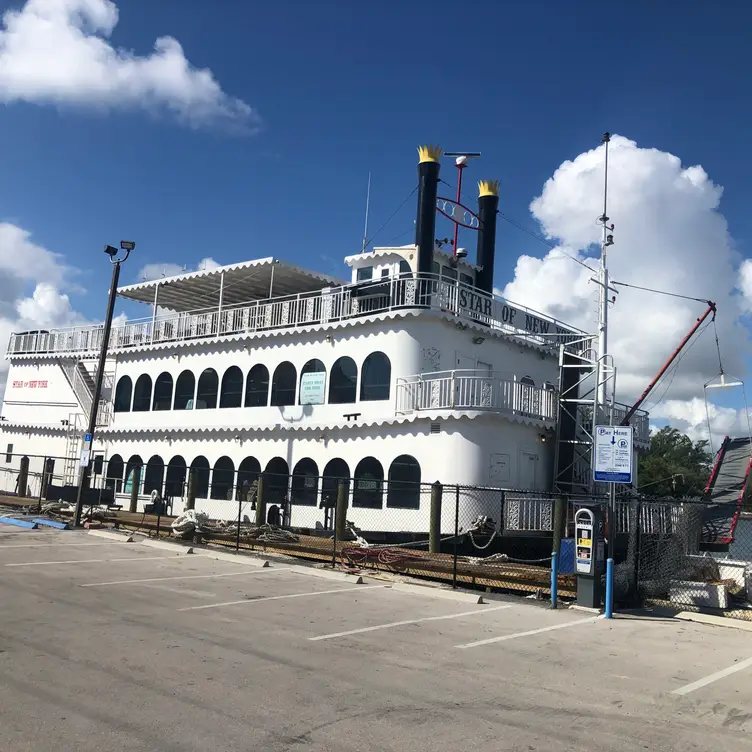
<point x="590" y="555"/>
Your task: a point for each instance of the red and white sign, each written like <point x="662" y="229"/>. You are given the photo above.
<point x="29" y="384"/>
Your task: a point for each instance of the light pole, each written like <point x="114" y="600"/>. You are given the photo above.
<point x="85" y="475"/>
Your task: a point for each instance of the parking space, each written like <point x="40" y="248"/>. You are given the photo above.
<point x="126" y="643"/>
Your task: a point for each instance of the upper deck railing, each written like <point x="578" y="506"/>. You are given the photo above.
<point x="475" y="390"/>
<point x="426" y="292"/>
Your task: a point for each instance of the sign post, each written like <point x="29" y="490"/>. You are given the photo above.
<point x="612" y="464"/>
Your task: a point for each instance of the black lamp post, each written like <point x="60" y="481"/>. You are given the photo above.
<point x="85" y="477"/>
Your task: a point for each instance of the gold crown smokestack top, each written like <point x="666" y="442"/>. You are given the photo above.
<point x="484" y="222"/>
<point x="428" y="188"/>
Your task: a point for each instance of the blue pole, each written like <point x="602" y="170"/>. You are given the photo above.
<point x="554" y="579"/>
<point x="609" y="588"/>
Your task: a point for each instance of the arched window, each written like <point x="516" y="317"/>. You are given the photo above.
<point x="343" y="381"/>
<point x="123" y="394"/>
<point x="154" y="476"/>
<point x="142" y="394"/>
<point x="257" y="387"/>
<point x="232" y="388"/>
<point x="130" y="472"/>
<point x="200" y="470"/>
<point x="248" y="473"/>
<point x="404" y="483"/>
<point x="185" y="388"/>
<point x="176" y="477"/>
<point x="335" y="471"/>
<point x="311" y="388"/>
<point x="283" y="385"/>
<point x="375" y="378"/>
<point x="305" y="483"/>
<point x="369" y="484"/>
<point x="208" y="385"/>
<point x="404" y="269"/>
<point x="527" y="380"/>
<point x="549" y="387"/>
<point x="223" y="478"/>
<point x="276" y="478"/>
<point x="163" y="392"/>
<point x="114" y="476"/>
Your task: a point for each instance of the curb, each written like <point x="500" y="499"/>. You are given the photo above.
<point x="438" y="593"/>
<point x="715" y="621"/>
<point x="176" y="547"/>
<point x="235" y="558"/>
<point x="325" y="574"/>
<point x="112" y="536"/>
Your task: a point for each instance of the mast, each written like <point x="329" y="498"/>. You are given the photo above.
<point x="607" y="239"/>
<point x="368" y="204"/>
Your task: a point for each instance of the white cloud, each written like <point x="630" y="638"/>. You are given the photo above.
<point x="57" y="51"/>
<point x="669" y="235"/>
<point x="24" y="267"/>
<point x="690" y="416"/>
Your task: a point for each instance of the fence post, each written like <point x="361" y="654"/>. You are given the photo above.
<point x="340" y="519"/>
<point x="135" y="485"/>
<point x="609" y="588"/>
<point x="638" y="549"/>
<point x="554" y="580"/>
<point x="456" y="535"/>
<point x="23" y="477"/>
<point x="434" y="529"/>
<point x="46" y="478"/>
<point x="560" y="507"/>
<point x="260" y="501"/>
<point x="158" y="503"/>
<point x="190" y="496"/>
<point x="240" y="512"/>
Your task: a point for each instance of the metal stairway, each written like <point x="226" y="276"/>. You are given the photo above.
<point x="727" y="487"/>
<point x="82" y="383"/>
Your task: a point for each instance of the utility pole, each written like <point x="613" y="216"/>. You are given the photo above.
<point x="85" y="474"/>
<point x="607" y="239"/>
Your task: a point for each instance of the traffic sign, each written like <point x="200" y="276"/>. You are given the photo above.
<point x="85" y="458"/>
<point x="613" y="454"/>
<point x="87" y="438"/>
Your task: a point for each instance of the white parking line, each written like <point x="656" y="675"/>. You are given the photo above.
<point x="685" y="690"/>
<point x="407" y="621"/>
<point x="53" y="545"/>
<point x="99" y="561"/>
<point x="282" y="597"/>
<point x="515" y="635"/>
<point x="186" y="577"/>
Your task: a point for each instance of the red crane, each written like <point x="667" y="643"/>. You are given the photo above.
<point x="711" y="310"/>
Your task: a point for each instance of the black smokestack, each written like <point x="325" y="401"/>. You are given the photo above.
<point x="488" y="207"/>
<point x="428" y="186"/>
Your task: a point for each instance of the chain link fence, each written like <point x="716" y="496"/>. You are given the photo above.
<point x="678" y="553"/>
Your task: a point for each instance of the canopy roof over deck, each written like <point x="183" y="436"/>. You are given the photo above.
<point x="239" y="283"/>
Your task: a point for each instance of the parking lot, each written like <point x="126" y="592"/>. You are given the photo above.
<point x="106" y="645"/>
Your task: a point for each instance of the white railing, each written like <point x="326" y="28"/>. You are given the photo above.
<point x="475" y="390"/>
<point x="426" y="291"/>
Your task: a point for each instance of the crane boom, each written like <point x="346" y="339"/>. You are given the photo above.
<point x="632" y="410"/>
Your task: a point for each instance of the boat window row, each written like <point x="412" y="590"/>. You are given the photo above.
<point x="344" y="383"/>
<point x="370" y="485"/>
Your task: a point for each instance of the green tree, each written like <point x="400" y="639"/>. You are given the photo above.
<point x="674" y="465"/>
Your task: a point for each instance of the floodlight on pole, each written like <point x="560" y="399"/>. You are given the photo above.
<point x="85" y="473"/>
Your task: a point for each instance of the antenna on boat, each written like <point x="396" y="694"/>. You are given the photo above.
<point x="368" y="204"/>
<point x="461" y="158"/>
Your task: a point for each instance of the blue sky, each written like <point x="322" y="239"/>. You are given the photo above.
<point x="344" y="89"/>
